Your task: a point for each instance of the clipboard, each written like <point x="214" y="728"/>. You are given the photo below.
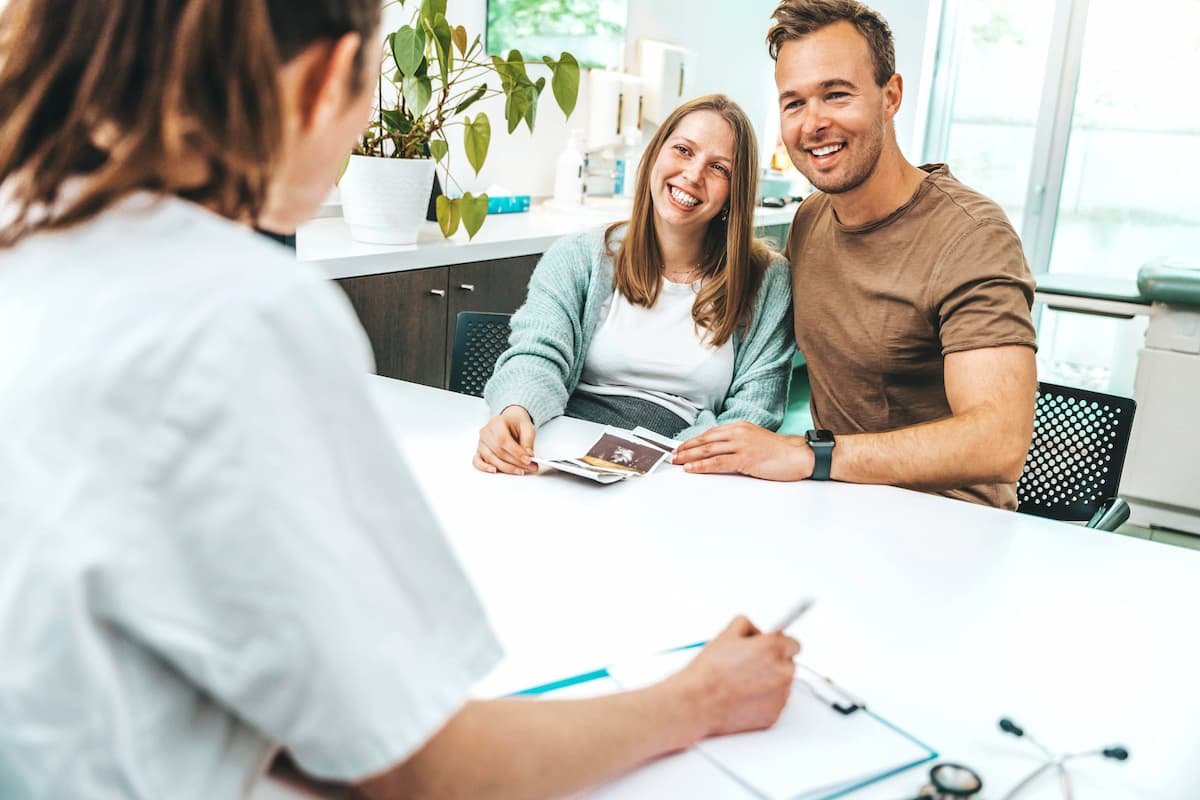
<point x="827" y="743"/>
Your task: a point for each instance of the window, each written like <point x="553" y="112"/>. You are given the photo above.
<point x="1129" y="188"/>
<point x="987" y="88"/>
<point x="592" y="30"/>
<point x="1078" y="117"/>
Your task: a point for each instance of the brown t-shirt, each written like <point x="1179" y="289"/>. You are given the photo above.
<point x="878" y="307"/>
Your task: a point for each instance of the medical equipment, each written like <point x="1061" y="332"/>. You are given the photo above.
<point x="1162" y="471"/>
<point x="956" y="782"/>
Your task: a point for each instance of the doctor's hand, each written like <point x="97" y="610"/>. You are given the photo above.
<point x="747" y="449"/>
<point x="743" y="678"/>
<point x="506" y="443"/>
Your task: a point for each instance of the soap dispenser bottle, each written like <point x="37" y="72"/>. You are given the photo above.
<point x="568" y="174"/>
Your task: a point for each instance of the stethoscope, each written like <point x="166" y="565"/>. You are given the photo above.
<point x="951" y="782"/>
<point x="956" y="782"/>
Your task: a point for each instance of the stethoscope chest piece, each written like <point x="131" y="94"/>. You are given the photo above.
<point x="951" y="782"/>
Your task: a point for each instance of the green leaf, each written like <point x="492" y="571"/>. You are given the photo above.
<point x="476" y="138"/>
<point x="439" y="32"/>
<point x="506" y="76"/>
<point x="471" y="100"/>
<point x="516" y="65"/>
<point x="474" y="212"/>
<point x="408" y="48"/>
<point x="565" y="83"/>
<point x="516" y="107"/>
<point x="392" y="119"/>
<point x="535" y="94"/>
<point x="418" y="90"/>
<point x="459" y="35"/>
<point x="438" y="149"/>
<point x="431" y="8"/>
<point x="449" y="214"/>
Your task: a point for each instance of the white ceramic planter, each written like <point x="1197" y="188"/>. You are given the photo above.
<point x="384" y="200"/>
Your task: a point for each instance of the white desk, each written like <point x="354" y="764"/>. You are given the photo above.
<point x="944" y="616"/>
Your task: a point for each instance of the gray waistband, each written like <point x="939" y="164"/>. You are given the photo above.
<point x="625" y="412"/>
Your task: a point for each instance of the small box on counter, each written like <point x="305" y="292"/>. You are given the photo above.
<point x="511" y="204"/>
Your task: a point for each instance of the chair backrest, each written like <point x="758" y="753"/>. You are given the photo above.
<point x="1078" y="452"/>
<point x="479" y="339"/>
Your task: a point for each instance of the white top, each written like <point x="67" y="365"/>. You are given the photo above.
<point x="657" y="354"/>
<point x="212" y="547"/>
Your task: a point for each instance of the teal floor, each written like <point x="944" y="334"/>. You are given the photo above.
<point x="797" y="420"/>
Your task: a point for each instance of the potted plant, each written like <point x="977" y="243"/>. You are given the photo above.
<point x="431" y="75"/>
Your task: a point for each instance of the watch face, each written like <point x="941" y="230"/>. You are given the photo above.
<point x="821" y="436"/>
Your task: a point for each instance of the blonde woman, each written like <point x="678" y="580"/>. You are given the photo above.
<point x="676" y="320"/>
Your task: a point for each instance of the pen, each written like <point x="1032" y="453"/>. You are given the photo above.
<point x="793" y="615"/>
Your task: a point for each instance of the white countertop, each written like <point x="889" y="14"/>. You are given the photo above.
<point x="327" y="240"/>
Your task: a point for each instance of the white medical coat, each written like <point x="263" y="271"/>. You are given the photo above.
<point x="209" y="545"/>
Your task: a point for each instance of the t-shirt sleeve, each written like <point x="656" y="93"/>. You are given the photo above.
<point x="982" y="291"/>
<point x="294" y="572"/>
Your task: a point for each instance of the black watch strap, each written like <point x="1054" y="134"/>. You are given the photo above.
<point x="822" y="443"/>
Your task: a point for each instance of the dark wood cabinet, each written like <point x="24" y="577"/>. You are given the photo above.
<point x="409" y="316"/>
<point x="404" y="315"/>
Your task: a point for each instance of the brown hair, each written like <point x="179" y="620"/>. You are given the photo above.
<point x="795" y="19"/>
<point x="117" y="91"/>
<point x="733" y="262"/>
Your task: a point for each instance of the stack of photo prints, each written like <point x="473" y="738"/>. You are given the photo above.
<point x="618" y="454"/>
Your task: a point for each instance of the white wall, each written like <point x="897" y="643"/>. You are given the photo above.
<point x="728" y="38"/>
<point x="727" y="35"/>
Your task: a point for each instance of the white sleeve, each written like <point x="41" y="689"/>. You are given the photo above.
<point x="293" y="570"/>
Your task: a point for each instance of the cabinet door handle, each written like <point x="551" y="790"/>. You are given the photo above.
<point x="438" y="292"/>
<point x="467" y="287"/>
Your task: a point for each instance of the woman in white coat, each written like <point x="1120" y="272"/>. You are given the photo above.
<point x="211" y="549"/>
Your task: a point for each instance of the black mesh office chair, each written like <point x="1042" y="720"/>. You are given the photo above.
<point x="1074" y="465"/>
<point x="479" y="339"/>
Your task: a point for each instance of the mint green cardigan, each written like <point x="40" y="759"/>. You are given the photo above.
<point x="551" y="333"/>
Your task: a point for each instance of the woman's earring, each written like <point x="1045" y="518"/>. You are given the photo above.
<point x="725" y="214"/>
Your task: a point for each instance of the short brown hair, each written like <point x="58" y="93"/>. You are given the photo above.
<point x="734" y="261"/>
<point x="795" y="19"/>
<point x="117" y="91"/>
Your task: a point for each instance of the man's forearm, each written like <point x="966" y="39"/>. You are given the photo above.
<point x="969" y="448"/>
<point x="528" y="748"/>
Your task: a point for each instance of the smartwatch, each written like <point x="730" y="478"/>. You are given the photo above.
<point x="821" y="441"/>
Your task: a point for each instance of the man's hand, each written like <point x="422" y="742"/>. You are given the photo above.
<point x="506" y="443"/>
<point x="742" y="678"/>
<point x="747" y="449"/>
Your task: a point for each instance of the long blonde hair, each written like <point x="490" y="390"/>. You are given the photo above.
<point x="733" y="261"/>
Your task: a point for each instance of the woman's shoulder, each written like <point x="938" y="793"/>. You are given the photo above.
<point x="777" y="271"/>
<point x="575" y="255"/>
<point x="592" y="243"/>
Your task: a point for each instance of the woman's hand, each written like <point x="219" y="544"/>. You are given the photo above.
<point x="506" y="443"/>
<point x="742" y="679"/>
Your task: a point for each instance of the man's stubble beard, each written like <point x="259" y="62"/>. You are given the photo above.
<point x="859" y="171"/>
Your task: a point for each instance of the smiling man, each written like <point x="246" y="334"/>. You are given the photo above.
<point x="912" y="295"/>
